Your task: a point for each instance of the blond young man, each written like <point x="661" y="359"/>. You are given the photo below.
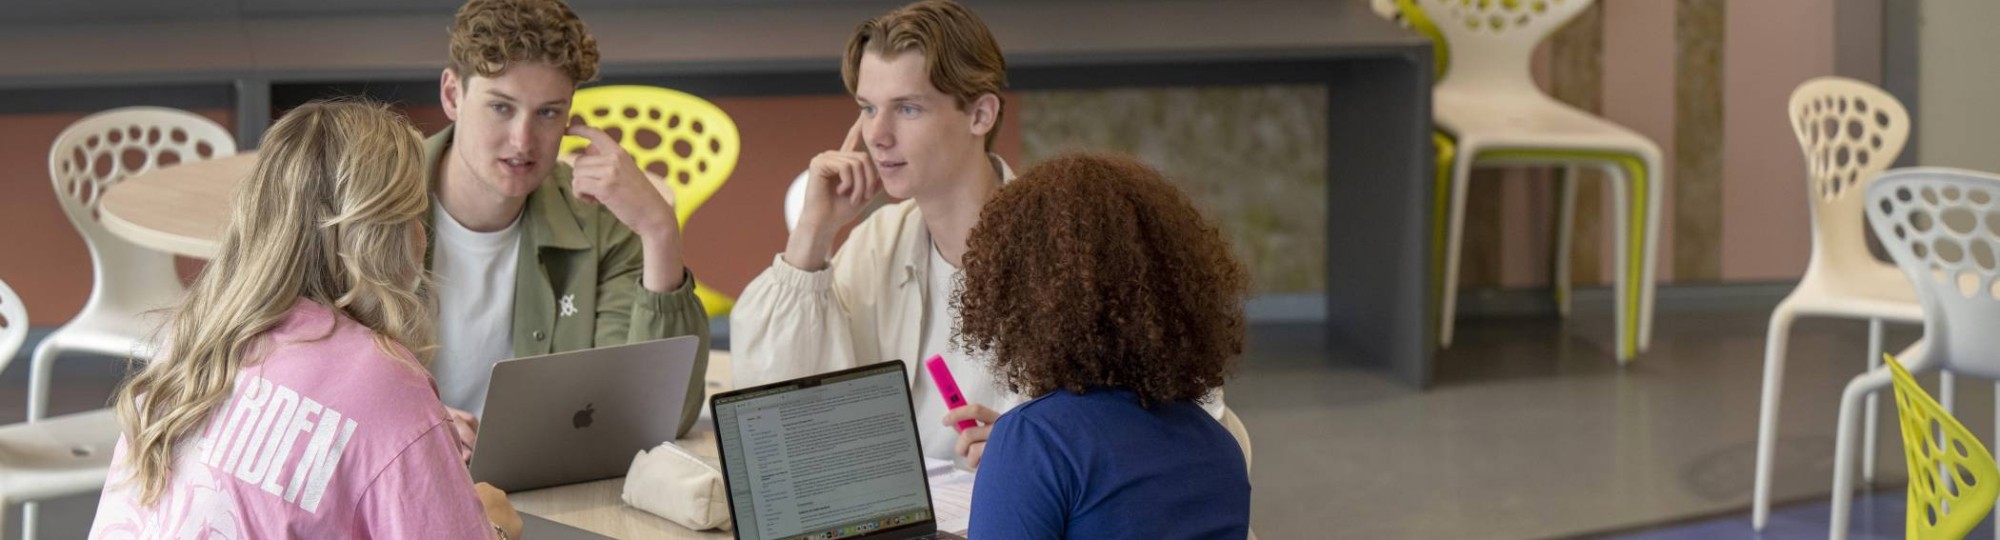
<point x="926" y="79"/>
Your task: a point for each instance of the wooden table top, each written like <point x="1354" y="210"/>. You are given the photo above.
<point x="599" y="506"/>
<point x="183" y="209"/>
<point x="180" y="209"/>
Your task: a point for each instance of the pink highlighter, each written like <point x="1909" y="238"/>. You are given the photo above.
<point x="948" y="388"/>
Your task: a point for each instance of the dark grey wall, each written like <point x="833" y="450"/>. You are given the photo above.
<point x="1901" y="24"/>
<point x="37" y="12"/>
<point x="1857" y="39"/>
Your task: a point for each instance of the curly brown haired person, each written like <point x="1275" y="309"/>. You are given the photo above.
<point x="1091" y="271"/>
<point x="1099" y="290"/>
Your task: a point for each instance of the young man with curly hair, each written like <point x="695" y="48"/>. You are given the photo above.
<point x="533" y="256"/>
<point x="926" y="79"/>
<point x="1100" y="291"/>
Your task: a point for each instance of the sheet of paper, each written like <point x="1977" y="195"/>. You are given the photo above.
<point x="951" y="494"/>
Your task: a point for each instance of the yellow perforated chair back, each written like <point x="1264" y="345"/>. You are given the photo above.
<point x="1953" y="480"/>
<point x="685" y="140"/>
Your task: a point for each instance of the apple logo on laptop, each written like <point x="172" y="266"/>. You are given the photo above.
<point x="582" y="418"/>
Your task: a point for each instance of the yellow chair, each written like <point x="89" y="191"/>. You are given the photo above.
<point x="1948" y="509"/>
<point x="689" y="143"/>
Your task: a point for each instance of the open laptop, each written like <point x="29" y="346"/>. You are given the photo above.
<point x="826" y="457"/>
<point x="535" y="527"/>
<point x="580" y="416"/>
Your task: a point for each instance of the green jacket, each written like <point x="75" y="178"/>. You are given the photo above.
<point x="582" y="251"/>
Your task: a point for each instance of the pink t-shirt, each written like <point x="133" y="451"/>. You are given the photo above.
<point x="326" y="437"/>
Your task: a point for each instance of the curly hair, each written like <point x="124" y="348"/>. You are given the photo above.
<point x="488" y="35"/>
<point x="1091" y="271"/>
<point x="960" y="53"/>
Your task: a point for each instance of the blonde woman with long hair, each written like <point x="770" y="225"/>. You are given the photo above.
<point x="290" y="397"/>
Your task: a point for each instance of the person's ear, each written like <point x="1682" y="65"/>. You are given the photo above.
<point x="449" y="86"/>
<point x="985" y="114"/>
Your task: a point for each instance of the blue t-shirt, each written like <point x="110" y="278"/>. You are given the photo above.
<point x="1097" y="465"/>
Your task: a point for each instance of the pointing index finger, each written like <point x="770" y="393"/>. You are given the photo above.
<point x="853" y="142"/>
<point x="599" y="140"/>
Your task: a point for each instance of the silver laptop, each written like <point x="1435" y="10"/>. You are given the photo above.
<point x="826" y="457"/>
<point x="540" y="528"/>
<point x="580" y="416"/>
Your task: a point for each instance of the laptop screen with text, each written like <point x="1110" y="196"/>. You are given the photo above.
<point x="824" y="457"/>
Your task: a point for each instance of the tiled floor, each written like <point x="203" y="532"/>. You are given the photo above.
<point x="82" y="382"/>
<point x="1877" y="516"/>
<point x="1532" y="431"/>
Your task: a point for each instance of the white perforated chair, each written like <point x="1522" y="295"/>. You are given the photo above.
<point x="1242" y="434"/>
<point x="1942" y="227"/>
<point x="87" y="158"/>
<point x="795" y="200"/>
<point x="56" y="457"/>
<point x="1850" y="132"/>
<point x="1492" y="112"/>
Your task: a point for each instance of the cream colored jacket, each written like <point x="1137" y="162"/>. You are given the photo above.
<point x="865" y="307"/>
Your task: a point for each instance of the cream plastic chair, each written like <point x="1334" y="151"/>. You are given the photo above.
<point x="1942" y="227"/>
<point x="1235" y="426"/>
<point x="1850" y="132"/>
<point x="55" y="457"/>
<point x="1488" y="103"/>
<point x="88" y="157"/>
<point x="1242" y="434"/>
<point x="795" y="200"/>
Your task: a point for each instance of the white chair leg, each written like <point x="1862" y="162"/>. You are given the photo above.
<point x="1945" y="384"/>
<point x="1873" y="417"/>
<point x="1648" y="276"/>
<point x="1621" y="188"/>
<point x="40" y="370"/>
<point x="29" y="522"/>
<point x="1461" y="177"/>
<point x="1843" y="452"/>
<point x="1636" y="285"/>
<point x="1566" y="181"/>
<point x="1767" y="410"/>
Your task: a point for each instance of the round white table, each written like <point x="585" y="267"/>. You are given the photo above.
<point x="183" y="209"/>
<point x="180" y="209"/>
